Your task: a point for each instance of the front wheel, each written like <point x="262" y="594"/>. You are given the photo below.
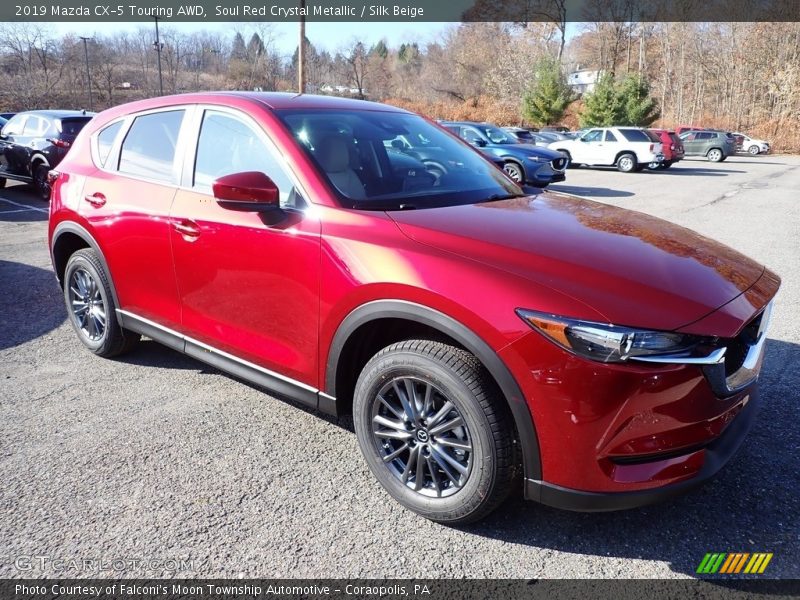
<point x="435" y="431"/>
<point x="514" y="171"/>
<point x="627" y="163"/>
<point x="754" y="150"/>
<point x="91" y="308"/>
<point x="715" y="155"/>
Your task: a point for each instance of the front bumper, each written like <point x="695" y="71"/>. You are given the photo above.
<point x="714" y="456"/>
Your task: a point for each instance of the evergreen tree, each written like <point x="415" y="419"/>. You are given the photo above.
<point x="255" y="47"/>
<point x="602" y="106"/>
<point x="548" y="95"/>
<point x="380" y="49"/>
<point x="238" y="50"/>
<point x="637" y="106"/>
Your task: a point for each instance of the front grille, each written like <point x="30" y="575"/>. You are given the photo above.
<point x="559" y="164"/>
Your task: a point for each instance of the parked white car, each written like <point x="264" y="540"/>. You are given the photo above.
<point x="752" y="145"/>
<point x="627" y="148"/>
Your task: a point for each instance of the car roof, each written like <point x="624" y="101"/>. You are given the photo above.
<point x="58" y="114"/>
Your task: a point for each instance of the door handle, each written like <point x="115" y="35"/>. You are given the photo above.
<point x="187" y="228"/>
<point x="97" y="199"/>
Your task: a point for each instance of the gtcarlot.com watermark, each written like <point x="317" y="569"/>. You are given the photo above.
<point x="29" y="563"/>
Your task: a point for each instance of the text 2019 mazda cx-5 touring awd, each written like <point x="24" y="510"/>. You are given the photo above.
<point x="482" y="339"/>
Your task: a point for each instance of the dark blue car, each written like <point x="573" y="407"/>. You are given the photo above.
<point x="524" y="163"/>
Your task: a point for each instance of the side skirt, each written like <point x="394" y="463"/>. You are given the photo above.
<point x="252" y="373"/>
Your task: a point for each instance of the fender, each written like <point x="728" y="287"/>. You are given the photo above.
<point x="81" y="232"/>
<point x="401" y="309"/>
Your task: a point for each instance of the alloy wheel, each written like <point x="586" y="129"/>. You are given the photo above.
<point x="714" y="155"/>
<point x="513" y="171"/>
<point x="421" y="437"/>
<point x="753" y="150"/>
<point x="86" y="302"/>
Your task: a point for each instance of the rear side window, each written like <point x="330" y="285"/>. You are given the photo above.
<point x="610" y="137"/>
<point x="149" y="148"/>
<point x="634" y="135"/>
<point x="105" y="141"/>
<point x="34" y="126"/>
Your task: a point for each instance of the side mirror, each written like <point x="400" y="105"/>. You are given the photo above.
<point x="479" y="143"/>
<point x="249" y="191"/>
<point x="398" y="144"/>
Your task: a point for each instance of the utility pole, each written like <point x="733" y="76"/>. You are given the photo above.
<point x="159" y="46"/>
<point x="88" y="73"/>
<point x="301" y="51"/>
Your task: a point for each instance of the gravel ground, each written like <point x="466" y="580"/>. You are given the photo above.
<point x="160" y="458"/>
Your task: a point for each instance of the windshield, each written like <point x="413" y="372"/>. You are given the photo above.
<point x="394" y="161"/>
<point x="497" y="135"/>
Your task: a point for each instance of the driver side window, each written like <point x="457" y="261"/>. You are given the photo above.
<point x="228" y="145"/>
<point x="471" y="135"/>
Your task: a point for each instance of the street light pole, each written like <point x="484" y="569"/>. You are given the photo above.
<point x="88" y="73"/>
<point x="301" y="51"/>
<point x="158" y="46"/>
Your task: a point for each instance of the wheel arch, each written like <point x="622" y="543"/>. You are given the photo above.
<point x="346" y="340"/>
<point x="38" y="158"/>
<point x="68" y="237"/>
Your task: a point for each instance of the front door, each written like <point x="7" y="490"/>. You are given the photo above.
<point x="249" y="286"/>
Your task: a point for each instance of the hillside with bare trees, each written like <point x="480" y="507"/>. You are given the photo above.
<point x="742" y="76"/>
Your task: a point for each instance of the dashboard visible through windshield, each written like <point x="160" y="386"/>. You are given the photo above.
<point x="378" y="160"/>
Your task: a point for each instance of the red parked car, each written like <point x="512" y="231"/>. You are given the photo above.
<point x="672" y="148"/>
<point x="475" y="333"/>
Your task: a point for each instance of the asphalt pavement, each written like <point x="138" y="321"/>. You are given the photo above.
<point x="160" y="459"/>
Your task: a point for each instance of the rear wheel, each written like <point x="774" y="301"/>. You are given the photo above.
<point x="91" y="308"/>
<point x="627" y="162"/>
<point x="40" y="171"/>
<point x="715" y="155"/>
<point x="435" y="430"/>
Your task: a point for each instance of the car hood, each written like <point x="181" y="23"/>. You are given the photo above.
<point x="632" y="268"/>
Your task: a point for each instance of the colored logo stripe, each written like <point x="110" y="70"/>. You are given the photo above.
<point x="733" y="562"/>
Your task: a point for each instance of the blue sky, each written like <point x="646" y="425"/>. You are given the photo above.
<point x="328" y="36"/>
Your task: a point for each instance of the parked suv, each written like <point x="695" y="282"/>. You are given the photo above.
<point x="716" y="146"/>
<point x="627" y="148"/>
<point x="33" y="142"/>
<point x="672" y="148"/>
<point x="524" y="163"/>
<point x="751" y="145"/>
<point x="480" y="337"/>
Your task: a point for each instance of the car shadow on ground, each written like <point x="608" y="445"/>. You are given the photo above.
<point x="21" y="204"/>
<point x="689" y="169"/>
<point x="590" y="191"/>
<point x="753" y="505"/>
<point x="31" y="303"/>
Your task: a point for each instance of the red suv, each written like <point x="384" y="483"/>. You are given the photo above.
<point x="606" y="358"/>
<point x="672" y="148"/>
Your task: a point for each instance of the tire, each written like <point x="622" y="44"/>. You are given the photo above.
<point x="655" y="166"/>
<point x="448" y="376"/>
<point x="570" y="164"/>
<point x="754" y="150"/>
<point x="91" y="309"/>
<point x="715" y="155"/>
<point x="514" y="171"/>
<point x="666" y="165"/>
<point x="626" y="162"/>
<point x="40" y="171"/>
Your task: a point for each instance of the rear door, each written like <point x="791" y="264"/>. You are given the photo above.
<point x="249" y="287"/>
<point x="138" y="162"/>
<point x="10" y="135"/>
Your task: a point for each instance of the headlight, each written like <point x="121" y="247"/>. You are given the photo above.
<point x="611" y="343"/>
<point x="538" y="159"/>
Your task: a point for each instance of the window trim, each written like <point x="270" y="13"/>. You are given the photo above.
<point x="115" y="144"/>
<point x="175" y="174"/>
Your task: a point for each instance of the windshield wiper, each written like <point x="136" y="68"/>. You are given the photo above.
<point x="496" y="197"/>
<point x="384" y="206"/>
